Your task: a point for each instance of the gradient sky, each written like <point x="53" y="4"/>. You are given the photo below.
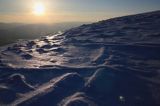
<point x="72" y="10"/>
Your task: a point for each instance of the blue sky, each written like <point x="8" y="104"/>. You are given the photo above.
<point x="73" y="10"/>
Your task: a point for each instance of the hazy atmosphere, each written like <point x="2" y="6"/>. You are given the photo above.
<point x="79" y="52"/>
<point x="55" y="11"/>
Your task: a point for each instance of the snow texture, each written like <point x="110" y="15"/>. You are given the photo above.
<point x="114" y="62"/>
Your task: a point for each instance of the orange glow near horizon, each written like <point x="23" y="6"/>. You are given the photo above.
<point x="45" y="11"/>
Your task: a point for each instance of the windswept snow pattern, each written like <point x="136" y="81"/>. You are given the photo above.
<point x="114" y="62"/>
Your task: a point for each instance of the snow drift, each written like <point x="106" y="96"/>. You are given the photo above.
<point x="114" y="62"/>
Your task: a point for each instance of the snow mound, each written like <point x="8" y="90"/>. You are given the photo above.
<point x="114" y="62"/>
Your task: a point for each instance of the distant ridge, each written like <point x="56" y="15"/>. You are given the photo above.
<point x="114" y="62"/>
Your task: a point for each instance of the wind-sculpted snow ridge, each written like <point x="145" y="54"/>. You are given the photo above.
<point x="115" y="62"/>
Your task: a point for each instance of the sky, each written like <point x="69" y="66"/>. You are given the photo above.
<point x="56" y="11"/>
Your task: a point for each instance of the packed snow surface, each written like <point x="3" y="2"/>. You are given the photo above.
<point x="114" y="62"/>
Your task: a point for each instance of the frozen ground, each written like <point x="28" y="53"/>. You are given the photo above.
<point x="115" y="62"/>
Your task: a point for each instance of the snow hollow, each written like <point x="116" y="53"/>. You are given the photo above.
<point x="114" y="62"/>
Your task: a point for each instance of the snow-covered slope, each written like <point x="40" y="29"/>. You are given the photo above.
<point x="115" y="62"/>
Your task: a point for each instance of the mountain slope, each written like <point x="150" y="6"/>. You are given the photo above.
<point x="114" y="62"/>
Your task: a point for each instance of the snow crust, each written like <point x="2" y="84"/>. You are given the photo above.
<point x="114" y="62"/>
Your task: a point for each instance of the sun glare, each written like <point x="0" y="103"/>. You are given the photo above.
<point x="39" y="9"/>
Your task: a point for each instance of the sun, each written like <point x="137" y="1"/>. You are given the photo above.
<point x="39" y="9"/>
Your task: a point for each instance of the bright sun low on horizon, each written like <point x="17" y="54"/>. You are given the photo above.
<point x="39" y="9"/>
<point x="59" y="11"/>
